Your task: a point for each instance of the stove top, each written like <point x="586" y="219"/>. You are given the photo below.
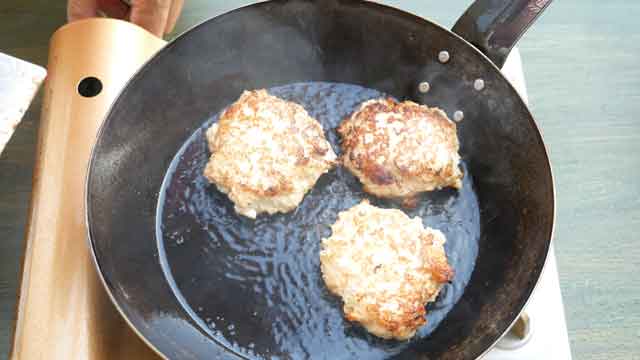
<point x="547" y="330"/>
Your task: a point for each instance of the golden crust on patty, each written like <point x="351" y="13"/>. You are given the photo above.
<point x="386" y="267"/>
<point x="266" y="153"/>
<point x="398" y="150"/>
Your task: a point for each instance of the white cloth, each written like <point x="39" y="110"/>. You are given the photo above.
<point x="19" y="82"/>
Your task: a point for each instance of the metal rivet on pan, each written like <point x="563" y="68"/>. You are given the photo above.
<point x="478" y="84"/>
<point x="458" y="116"/>
<point x="424" y="87"/>
<point x="443" y="56"/>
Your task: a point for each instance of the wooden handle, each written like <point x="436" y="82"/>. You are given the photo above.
<point x="63" y="311"/>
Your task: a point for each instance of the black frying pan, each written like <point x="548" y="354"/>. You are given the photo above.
<point x="199" y="282"/>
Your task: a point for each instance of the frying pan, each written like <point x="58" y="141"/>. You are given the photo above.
<point x="197" y="281"/>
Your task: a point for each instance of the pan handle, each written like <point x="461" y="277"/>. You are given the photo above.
<point x="494" y="26"/>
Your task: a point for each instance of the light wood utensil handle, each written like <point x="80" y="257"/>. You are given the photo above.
<point x="63" y="310"/>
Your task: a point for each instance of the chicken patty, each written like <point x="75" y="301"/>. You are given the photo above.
<point x="400" y="149"/>
<point x="266" y="153"/>
<point x="386" y="267"/>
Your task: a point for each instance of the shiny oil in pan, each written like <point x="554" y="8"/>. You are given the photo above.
<point x="255" y="285"/>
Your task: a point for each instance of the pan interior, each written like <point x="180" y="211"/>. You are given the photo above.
<point x="255" y="285"/>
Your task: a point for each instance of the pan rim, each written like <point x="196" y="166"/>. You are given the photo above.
<point x="90" y="166"/>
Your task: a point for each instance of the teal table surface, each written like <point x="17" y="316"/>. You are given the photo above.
<point x="582" y="66"/>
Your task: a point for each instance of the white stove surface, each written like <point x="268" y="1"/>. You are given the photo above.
<point x="549" y="339"/>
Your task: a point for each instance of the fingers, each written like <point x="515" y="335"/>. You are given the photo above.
<point x="157" y="16"/>
<point x="113" y="8"/>
<point x="174" y="14"/>
<point x="81" y="9"/>
<point x="151" y="15"/>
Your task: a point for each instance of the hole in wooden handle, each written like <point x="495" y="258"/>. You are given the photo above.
<point x="89" y="87"/>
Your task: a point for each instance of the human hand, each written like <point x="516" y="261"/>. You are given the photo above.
<point x="157" y="16"/>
